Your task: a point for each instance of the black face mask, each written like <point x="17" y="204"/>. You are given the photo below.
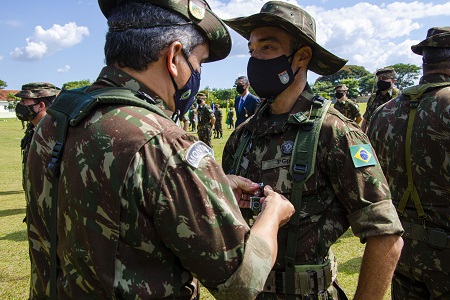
<point x="383" y="85"/>
<point x="199" y="102"/>
<point x="25" y="113"/>
<point x="270" y="77"/>
<point x="240" y="89"/>
<point x="339" y="95"/>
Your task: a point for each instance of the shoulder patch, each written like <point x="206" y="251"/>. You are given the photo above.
<point x="362" y="155"/>
<point x="196" y="152"/>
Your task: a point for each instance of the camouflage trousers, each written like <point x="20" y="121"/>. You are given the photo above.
<point x="420" y="284"/>
<point x="204" y="134"/>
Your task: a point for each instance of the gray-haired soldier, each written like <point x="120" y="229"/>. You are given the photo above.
<point x="125" y="204"/>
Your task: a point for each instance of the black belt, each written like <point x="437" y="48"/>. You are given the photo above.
<point x="435" y="237"/>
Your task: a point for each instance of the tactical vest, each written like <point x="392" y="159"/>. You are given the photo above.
<point x="296" y="278"/>
<point x="69" y="109"/>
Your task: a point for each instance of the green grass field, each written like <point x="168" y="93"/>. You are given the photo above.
<point x="14" y="261"/>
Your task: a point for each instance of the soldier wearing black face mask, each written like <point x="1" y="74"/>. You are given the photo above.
<point x="245" y="103"/>
<point x="385" y="92"/>
<point x="36" y="98"/>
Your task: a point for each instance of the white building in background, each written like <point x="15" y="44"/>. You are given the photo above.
<point x="4" y="112"/>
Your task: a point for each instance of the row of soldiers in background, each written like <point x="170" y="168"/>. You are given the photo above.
<point x="385" y="92"/>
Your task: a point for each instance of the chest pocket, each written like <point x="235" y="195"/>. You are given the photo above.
<point x="276" y="173"/>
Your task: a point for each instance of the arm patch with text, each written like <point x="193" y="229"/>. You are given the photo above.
<point x="196" y="152"/>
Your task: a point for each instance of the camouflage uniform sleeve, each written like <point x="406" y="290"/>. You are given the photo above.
<point x="363" y="191"/>
<point x="369" y="104"/>
<point x="355" y="109"/>
<point x="198" y="219"/>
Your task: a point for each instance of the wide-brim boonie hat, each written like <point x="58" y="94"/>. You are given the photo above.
<point x="436" y="37"/>
<point x="296" y="22"/>
<point x="36" y="90"/>
<point x="197" y="11"/>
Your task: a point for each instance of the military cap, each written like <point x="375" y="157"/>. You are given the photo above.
<point x="296" y="22"/>
<point x="342" y="86"/>
<point x="38" y="90"/>
<point x="201" y="95"/>
<point x="196" y="11"/>
<point x="436" y="37"/>
<point x="386" y="73"/>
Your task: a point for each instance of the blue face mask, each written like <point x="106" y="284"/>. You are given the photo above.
<point x="185" y="96"/>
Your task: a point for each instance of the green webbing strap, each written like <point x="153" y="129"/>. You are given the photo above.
<point x="415" y="94"/>
<point x="302" y="167"/>
<point x="69" y="108"/>
<point x="240" y="151"/>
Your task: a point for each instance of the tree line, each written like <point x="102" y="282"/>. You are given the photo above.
<point x="359" y="81"/>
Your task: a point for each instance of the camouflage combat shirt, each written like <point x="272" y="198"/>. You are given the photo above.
<point x="348" y="108"/>
<point x="336" y="196"/>
<point x="378" y="99"/>
<point x="430" y="162"/>
<point x="136" y="219"/>
<point x="204" y="116"/>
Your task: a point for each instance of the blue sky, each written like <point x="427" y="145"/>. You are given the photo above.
<point x="61" y="41"/>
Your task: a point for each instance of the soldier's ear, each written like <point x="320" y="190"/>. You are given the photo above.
<point x="174" y="58"/>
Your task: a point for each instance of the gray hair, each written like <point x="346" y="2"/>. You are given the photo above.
<point x="244" y="78"/>
<point x="135" y="40"/>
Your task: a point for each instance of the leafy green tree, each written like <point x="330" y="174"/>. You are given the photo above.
<point x="348" y="71"/>
<point x="323" y="88"/>
<point x="2" y="84"/>
<point x="367" y="84"/>
<point x="12" y="101"/>
<point x="407" y="74"/>
<point x="76" y="84"/>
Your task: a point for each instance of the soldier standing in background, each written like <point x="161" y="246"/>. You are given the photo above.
<point x="125" y="204"/>
<point x="230" y="118"/>
<point x="346" y="106"/>
<point x="385" y="92"/>
<point x="36" y="97"/>
<point x="411" y="136"/>
<point x="294" y="132"/>
<point x="218" y="132"/>
<point x="206" y="120"/>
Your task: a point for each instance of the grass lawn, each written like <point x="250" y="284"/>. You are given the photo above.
<point x="14" y="261"/>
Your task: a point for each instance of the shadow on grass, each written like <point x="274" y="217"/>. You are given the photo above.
<point x="11" y="212"/>
<point x="351" y="266"/>
<point x="18" y="236"/>
<point x="11" y="193"/>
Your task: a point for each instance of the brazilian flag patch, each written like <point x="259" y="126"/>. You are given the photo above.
<point x="362" y="155"/>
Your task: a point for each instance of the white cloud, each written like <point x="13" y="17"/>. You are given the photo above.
<point x="12" y="23"/>
<point x="46" y="42"/>
<point x="1" y="57"/>
<point x="64" y="69"/>
<point x="369" y="35"/>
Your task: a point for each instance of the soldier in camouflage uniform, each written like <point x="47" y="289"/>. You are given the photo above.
<point x="411" y="135"/>
<point x="206" y="120"/>
<point x="346" y="106"/>
<point x="347" y="188"/>
<point x="142" y="205"/>
<point x="36" y="97"/>
<point x="218" y="132"/>
<point x="385" y="92"/>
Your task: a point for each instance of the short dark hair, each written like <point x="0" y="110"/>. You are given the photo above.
<point x="435" y="58"/>
<point x="245" y="78"/>
<point x="136" y="48"/>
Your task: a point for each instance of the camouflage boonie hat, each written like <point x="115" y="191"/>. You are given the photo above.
<point x="386" y="73"/>
<point x="436" y="37"/>
<point x="342" y="86"/>
<point x="198" y="12"/>
<point x="37" y="90"/>
<point x="201" y="95"/>
<point x="296" y="22"/>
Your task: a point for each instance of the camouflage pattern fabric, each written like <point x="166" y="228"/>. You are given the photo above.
<point x="422" y="270"/>
<point x="36" y="90"/>
<point x="348" y="108"/>
<point x="25" y="148"/>
<point x="378" y="99"/>
<point x="204" y="129"/>
<point x="336" y="196"/>
<point x="135" y="219"/>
